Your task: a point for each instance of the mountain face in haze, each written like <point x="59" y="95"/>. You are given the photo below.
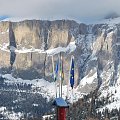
<point x="96" y="50"/>
<point x="112" y="15"/>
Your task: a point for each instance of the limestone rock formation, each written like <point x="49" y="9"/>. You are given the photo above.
<point x="96" y="53"/>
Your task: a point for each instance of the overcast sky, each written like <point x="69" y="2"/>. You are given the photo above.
<point x="79" y="10"/>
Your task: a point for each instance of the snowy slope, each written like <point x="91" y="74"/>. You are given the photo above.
<point x="113" y="94"/>
<point x="109" y="21"/>
<point x="11" y="115"/>
<point x="45" y="88"/>
<point x="39" y="86"/>
<point x="88" y="80"/>
<point x="108" y="71"/>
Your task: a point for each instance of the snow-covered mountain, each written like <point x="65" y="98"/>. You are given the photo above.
<point x="95" y="48"/>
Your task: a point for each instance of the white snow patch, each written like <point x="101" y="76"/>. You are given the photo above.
<point x="70" y="48"/>
<point x="88" y="80"/>
<point x="36" y="105"/>
<point x="10" y="114"/>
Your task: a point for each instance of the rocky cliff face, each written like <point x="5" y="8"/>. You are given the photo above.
<point x="96" y="53"/>
<point x="34" y="35"/>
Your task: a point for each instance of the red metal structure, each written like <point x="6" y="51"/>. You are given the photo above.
<point x="61" y="113"/>
<point x="61" y="107"/>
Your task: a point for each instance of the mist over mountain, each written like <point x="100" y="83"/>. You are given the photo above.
<point x="112" y="15"/>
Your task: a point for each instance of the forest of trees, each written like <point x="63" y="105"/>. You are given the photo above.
<point x="13" y="97"/>
<point x="87" y="108"/>
<point x="20" y="97"/>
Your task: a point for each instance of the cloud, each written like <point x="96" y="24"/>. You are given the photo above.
<point x="81" y="10"/>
